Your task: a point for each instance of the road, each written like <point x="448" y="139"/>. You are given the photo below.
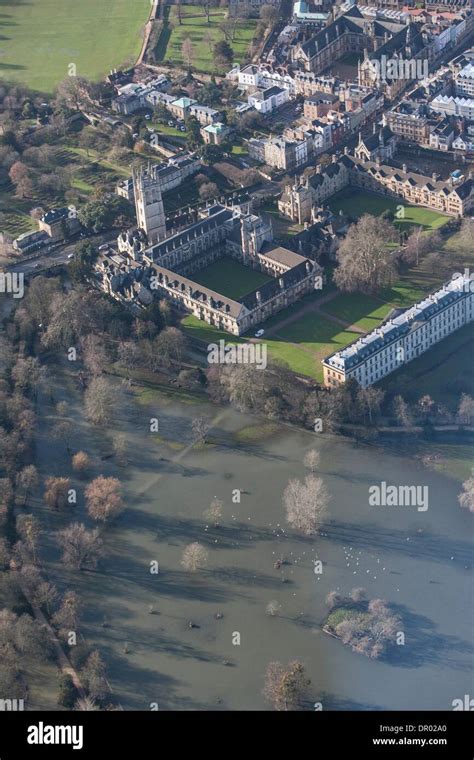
<point x="46" y="259"/>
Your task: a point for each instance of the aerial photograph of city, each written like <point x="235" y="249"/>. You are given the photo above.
<point x="236" y="368"/>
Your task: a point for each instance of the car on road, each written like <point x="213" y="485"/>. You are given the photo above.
<point x="37" y="266"/>
<point x="103" y="247"/>
<point x="259" y="333"/>
<point x="70" y="256"/>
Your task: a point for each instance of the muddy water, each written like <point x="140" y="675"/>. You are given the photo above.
<point x="418" y="561"/>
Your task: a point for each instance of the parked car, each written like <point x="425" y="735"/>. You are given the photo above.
<point x="70" y="256"/>
<point x="259" y="333"/>
<point x="147" y="116"/>
<point x="183" y="129"/>
<point x="103" y="247"/>
<point x="171" y="123"/>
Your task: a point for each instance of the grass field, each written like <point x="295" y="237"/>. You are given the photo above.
<point x="305" y="342"/>
<point x="203" y="36"/>
<point x="39" y="39"/>
<point x="230" y="278"/>
<point x="357" y="203"/>
<point x="359" y="310"/>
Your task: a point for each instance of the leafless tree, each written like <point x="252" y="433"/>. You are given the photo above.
<point x="466" y="410"/>
<point x="195" y="557"/>
<point x="68" y="616"/>
<point x="273" y="608"/>
<point x="312" y="459"/>
<point x="56" y="493"/>
<point x="104" y="499"/>
<point x="402" y="412"/>
<point x="306" y="503"/>
<point x="81" y="462"/>
<point x="81" y="547"/>
<point x="28" y="528"/>
<point x="200" y="428"/>
<point x="27" y="480"/>
<point x="364" y="262"/>
<point x="285" y="687"/>
<point x="99" y="401"/>
<point x="466" y="498"/>
<point x="213" y="513"/>
<point x="187" y="51"/>
<point x="94" y="676"/>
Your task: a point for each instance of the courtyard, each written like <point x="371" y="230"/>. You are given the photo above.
<point x="355" y="204"/>
<point x="231" y="278"/>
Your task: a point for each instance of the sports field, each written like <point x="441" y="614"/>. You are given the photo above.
<point x="203" y="36"/>
<point x="356" y="203"/>
<point x="230" y="278"/>
<point x="40" y="39"/>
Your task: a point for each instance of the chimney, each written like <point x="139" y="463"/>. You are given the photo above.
<point x="334" y="158"/>
<point x="281" y="283"/>
<point x="404" y="168"/>
<point x="346" y="151"/>
<point x="434" y="177"/>
<point x="374" y="128"/>
<point x="258" y="296"/>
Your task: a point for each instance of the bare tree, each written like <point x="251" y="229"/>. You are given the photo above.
<point x="306" y="503"/>
<point x="29" y="529"/>
<point x="402" y="412"/>
<point x="213" y="513"/>
<point x="68" y="616"/>
<point x="187" y="51"/>
<point x="27" y="480"/>
<point x="99" y="401"/>
<point x="285" y="687"/>
<point x="96" y="356"/>
<point x="466" y="498"/>
<point x="466" y="410"/>
<point x="195" y="557"/>
<point x="93" y="674"/>
<point x="312" y="459"/>
<point x="81" y="547"/>
<point x="86" y="704"/>
<point x="104" y="499"/>
<point x="81" y="462"/>
<point x="200" y="428"/>
<point x="57" y="491"/>
<point x="364" y="262"/>
<point x="273" y="608"/>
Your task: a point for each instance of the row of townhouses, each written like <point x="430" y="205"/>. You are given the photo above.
<point x="404" y="337"/>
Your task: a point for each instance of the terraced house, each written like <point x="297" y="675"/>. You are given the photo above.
<point x="405" y="337"/>
<point x="455" y="198"/>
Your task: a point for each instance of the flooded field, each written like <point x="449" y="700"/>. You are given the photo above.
<point x="418" y="561"/>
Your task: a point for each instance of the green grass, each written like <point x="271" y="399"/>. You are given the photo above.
<point x="196" y="328"/>
<point x="195" y="27"/>
<point x="355" y="203"/>
<point x="346" y="613"/>
<point x="229" y="277"/>
<point x="41" y="38"/>
<point x="358" y="310"/>
<point x="315" y="338"/>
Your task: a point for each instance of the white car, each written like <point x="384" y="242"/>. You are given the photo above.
<point x="171" y="123"/>
<point x="183" y="129"/>
<point x="147" y="116"/>
<point x="70" y="256"/>
<point x="259" y="333"/>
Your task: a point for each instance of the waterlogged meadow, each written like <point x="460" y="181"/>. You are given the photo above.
<point x="174" y="638"/>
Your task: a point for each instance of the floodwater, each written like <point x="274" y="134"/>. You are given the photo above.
<point x="420" y="562"/>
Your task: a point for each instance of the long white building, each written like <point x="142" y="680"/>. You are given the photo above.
<point x="398" y="341"/>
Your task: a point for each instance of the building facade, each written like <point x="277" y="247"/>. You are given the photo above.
<point x="404" y="338"/>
